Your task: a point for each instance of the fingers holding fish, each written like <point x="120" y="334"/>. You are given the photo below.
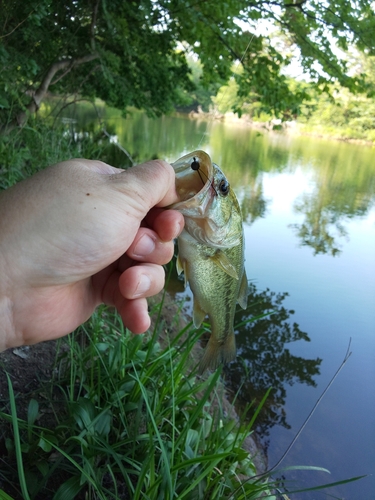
<point x="168" y="224"/>
<point x="141" y="280"/>
<point x="139" y="274"/>
<point x="134" y="314"/>
<point x="127" y="291"/>
<point x="135" y="284"/>
<point x="148" y="247"/>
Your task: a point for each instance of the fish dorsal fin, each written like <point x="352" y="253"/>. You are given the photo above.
<point x="242" y="294"/>
<point x="198" y="314"/>
<point x="225" y="264"/>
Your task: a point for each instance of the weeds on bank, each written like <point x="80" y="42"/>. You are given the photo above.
<point x="129" y="422"/>
<point x="35" y="147"/>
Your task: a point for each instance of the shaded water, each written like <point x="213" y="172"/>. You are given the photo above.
<point x="309" y="212"/>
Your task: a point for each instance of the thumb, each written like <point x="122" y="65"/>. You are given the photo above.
<point x="150" y="184"/>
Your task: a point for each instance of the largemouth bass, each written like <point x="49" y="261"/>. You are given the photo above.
<point x="211" y="251"/>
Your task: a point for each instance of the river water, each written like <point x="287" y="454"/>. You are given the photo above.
<point x="309" y="211"/>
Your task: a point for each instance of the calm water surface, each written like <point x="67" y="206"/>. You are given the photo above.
<point x="309" y="209"/>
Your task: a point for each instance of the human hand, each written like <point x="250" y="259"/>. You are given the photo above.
<point x="78" y="234"/>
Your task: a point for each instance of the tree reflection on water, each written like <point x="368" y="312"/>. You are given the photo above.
<point x="325" y="215"/>
<point x="264" y="360"/>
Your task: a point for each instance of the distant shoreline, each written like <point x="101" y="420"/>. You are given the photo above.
<point x="291" y="128"/>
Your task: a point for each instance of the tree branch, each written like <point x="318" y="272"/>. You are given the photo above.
<point x="93" y="24"/>
<point x="17" y="26"/>
<point x="40" y="93"/>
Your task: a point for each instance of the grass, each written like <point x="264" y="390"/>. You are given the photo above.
<point x="38" y="145"/>
<point x="129" y="421"/>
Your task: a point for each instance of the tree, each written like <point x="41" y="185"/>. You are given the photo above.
<point x="133" y="52"/>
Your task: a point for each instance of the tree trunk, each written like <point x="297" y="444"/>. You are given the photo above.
<point x="40" y="93"/>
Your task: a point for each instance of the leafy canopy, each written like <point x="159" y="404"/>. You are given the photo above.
<point x="133" y="52"/>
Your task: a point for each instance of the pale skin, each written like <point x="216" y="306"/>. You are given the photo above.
<point x="78" y="234"/>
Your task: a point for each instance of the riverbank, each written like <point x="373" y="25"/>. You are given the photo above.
<point x="102" y="397"/>
<point x="294" y="127"/>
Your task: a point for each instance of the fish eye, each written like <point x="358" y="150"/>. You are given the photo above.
<point x="224" y="187"/>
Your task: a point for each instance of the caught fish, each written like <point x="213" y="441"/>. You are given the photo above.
<point x="211" y="251"/>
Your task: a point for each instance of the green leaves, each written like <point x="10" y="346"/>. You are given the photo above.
<point x="144" y="46"/>
<point x="69" y="489"/>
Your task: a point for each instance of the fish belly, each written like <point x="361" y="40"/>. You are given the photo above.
<point x="215" y="294"/>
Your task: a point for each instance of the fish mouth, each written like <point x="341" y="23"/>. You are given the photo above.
<point x="194" y="175"/>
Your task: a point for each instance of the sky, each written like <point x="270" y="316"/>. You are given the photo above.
<point x="265" y="27"/>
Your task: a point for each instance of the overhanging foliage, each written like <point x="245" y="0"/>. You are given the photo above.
<point x="133" y="53"/>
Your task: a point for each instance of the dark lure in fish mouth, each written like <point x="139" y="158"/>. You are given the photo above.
<point x="196" y="166"/>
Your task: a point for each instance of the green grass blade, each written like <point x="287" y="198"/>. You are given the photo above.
<point x="157" y="433"/>
<point x="5" y="496"/>
<point x="17" y="442"/>
<point x="84" y="474"/>
<point x="328" y="485"/>
<point x="260" y="406"/>
<point x="69" y="489"/>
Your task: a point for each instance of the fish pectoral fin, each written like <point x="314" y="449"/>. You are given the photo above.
<point x="244" y="291"/>
<point x="225" y="264"/>
<point x="198" y="314"/>
<point x="181" y="267"/>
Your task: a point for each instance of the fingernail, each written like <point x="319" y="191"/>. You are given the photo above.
<point x="143" y="286"/>
<point x="145" y="246"/>
<point x="180" y="227"/>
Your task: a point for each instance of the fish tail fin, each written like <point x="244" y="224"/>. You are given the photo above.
<point x="217" y="353"/>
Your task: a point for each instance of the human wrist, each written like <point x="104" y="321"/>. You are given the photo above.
<point x="6" y="323"/>
<point x="6" y="308"/>
<point x="11" y="333"/>
<point x="6" y="314"/>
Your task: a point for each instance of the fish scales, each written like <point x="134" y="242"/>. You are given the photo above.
<point x="211" y="251"/>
